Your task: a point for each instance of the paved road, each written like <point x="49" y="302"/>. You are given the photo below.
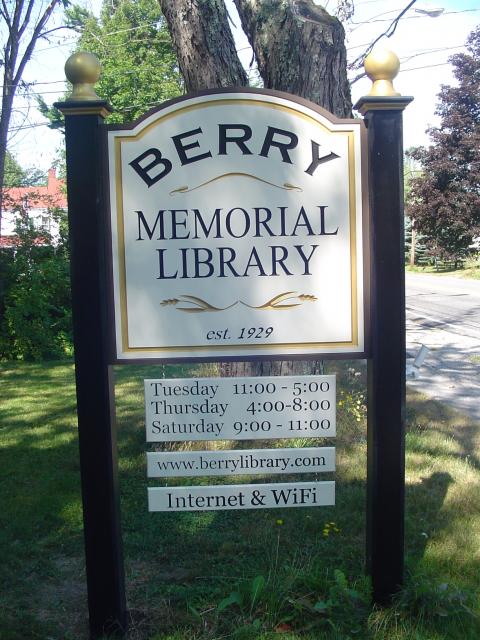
<point x="451" y="303"/>
<point x="444" y="314"/>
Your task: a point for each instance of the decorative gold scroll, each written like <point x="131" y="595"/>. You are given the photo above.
<point x="277" y="303"/>
<point x="286" y="185"/>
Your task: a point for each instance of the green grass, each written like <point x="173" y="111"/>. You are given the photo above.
<point x="469" y="271"/>
<point x="292" y="574"/>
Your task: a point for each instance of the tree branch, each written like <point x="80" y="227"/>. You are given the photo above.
<point x="5" y="15"/>
<point x="357" y="78"/>
<point x="357" y="63"/>
<point x="26" y="19"/>
<point x="35" y="35"/>
<point x="17" y="15"/>
<point x="44" y="34"/>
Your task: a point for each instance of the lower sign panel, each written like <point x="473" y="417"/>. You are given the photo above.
<point x="250" y="461"/>
<point x="242" y="496"/>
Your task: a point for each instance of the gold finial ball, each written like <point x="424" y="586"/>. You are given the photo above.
<point x="83" y="70"/>
<point x="83" y="67"/>
<point x="381" y="66"/>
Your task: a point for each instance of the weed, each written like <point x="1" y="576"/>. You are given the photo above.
<point x="427" y="600"/>
<point x="341" y="605"/>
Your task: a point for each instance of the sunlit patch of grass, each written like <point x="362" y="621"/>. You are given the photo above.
<point x="352" y="465"/>
<point x="469" y="270"/>
<point x="71" y="514"/>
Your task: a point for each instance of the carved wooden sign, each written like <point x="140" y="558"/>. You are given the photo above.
<point x="238" y="230"/>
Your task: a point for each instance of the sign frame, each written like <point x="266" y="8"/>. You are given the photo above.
<point x="247" y="352"/>
<point x="86" y="150"/>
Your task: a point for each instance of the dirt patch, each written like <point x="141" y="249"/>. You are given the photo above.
<point x="62" y="600"/>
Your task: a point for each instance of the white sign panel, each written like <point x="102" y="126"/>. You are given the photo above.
<point x="243" y="496"/>
<point x="240" y="408"/>
<point x="237" y="230"/>
<point x="252" y="461"/>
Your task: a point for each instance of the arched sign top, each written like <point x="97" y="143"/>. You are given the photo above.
<point x="237" y="230"/>
<point x="269" y="96"/>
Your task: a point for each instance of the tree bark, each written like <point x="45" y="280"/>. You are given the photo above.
<point x="299" y="48"/>
<point x="204" y="44"/>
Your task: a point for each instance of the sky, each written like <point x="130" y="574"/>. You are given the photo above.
<point x="422" y="43"/>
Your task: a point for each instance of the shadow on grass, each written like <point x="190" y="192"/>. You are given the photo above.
<point x="41" y="536"/>
<point x="446" y="422"/>
<point x="424" y="501"/>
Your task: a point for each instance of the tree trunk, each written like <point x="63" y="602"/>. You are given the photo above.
<point x="412" y="246"/>
<point x="299" y="48"/>
<point x="204" y="44"/>
<point x="7" y="105"/>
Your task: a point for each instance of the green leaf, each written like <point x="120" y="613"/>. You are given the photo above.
<point x="194" y="611"/>
<point x="322" y="606"/>
<point x="258" y="585"/>
<point x="340" y="579"/>
<point x="234" y="598"/>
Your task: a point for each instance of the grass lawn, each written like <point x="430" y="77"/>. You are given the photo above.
<point x="289" y="574"/>
<point x="470" y="270"/>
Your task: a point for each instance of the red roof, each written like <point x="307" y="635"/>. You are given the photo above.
<point x="7" y="242"/>
<point x="53" y="195"/>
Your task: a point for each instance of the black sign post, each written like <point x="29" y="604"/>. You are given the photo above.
<point x="386" y="368"/>
<point x="84" y="113"/>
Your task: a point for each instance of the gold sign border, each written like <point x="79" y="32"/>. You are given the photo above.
<point x="119" y="140"/>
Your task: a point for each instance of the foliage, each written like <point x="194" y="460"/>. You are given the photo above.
<point x="445" y="199"/>
<point x="344" y="605"/>
<point x="425" y="599"/>
<point x="352" y="400"/>
<point x="36" y="319"/>
<point x="468" y="270"/>
<point x="339" y="605"/>
<point x="16" y="176"/>
<point x="139" y="68"/>
<point x="430" y="605"/>
<point x="247" y="597"/>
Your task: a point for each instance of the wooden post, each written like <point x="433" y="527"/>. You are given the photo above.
<point x="382" y="109"/>
<point x="84" y="113"/>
